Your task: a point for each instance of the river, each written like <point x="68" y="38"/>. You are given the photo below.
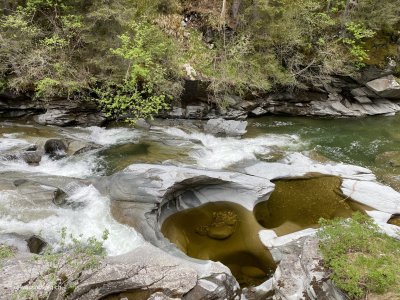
<point x="372" y="142"/>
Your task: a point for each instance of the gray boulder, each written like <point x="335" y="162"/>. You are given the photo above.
<point x="221" y="127"/>
<point x="385" y="87"/>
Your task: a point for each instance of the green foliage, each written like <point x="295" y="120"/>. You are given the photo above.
<point x="362" y="259"/>
<point x="356" y="42"/>
<point x="61" y="269"/>
<point x="57" y="49"/>
<point x="146" y="88"/>
<point x="5" y="252"/>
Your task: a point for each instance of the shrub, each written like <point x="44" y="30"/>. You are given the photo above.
<point x="61" y="269"/>
<point x="362" y="259"/>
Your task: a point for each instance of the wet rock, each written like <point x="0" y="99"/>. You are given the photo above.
<point x="385" y="87"/>
<point x="221" y="127"/>
<point x="65" y="117"/>
<point x="32" y="157"/>
<point x="196" y="111"/>
<point x="259" y="111"/>
<point x="78" y="147"/>
<point x="145" y="183"/>
<point x="55" y="148"/>
<point x="214" y="287"/>
<point x="60" y="197"/>
<point x="220" y="232"/>
<point x="32" y="148"/>
<point x="36" y="244"/>
<point x="143" y="124"/>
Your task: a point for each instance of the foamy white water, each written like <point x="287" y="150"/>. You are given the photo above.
<point x="88" y="220"/>
<point x="216" y="153"/>
<point x="75" y="166"/>
<point x="9" y="142"/>
<point x="104" y="136"/>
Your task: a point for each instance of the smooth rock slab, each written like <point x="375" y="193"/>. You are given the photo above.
<point x="386" y="87"/>
<point x="146" y="267"/>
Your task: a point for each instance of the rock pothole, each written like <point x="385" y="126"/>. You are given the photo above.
<point x="299" y="203"/>
<point x="226" y="232"/>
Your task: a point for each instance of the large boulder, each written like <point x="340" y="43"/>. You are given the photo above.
<point x="385" y="87"/>
<point x="221" y="127"/>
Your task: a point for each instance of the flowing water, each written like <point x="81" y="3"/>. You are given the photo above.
<point x="372" y="142"/>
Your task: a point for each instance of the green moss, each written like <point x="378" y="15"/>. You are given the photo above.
<point x="362" y="259"/>
<point x="5" y="252"/>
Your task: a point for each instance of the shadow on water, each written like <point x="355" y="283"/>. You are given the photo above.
<point x="225" y="232"/>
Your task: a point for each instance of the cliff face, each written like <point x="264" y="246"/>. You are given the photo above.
<point x="371" y="92"/>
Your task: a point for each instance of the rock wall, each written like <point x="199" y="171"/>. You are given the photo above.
<point x="371" y="92"/>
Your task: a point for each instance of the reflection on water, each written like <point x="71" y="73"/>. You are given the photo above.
<point x="299" y="203"/>
<point x="225" y="232"/>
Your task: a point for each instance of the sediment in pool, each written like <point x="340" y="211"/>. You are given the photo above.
<point x="225" y="232"/>
<point x="299" y="203"/>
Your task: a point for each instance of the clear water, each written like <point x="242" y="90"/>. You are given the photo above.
<point x="365" y="142"/>
<point x="362" y="141"/>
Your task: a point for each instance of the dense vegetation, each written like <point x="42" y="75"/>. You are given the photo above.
<point x="363" y="260"/>
<point x="130" y="53"/>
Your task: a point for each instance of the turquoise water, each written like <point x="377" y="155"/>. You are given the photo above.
<point x="372" y="142"/>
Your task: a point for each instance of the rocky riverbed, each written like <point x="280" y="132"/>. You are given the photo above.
<point x="144" y="185"/>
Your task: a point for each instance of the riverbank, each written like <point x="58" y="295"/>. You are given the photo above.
<point x="371" y="92"/>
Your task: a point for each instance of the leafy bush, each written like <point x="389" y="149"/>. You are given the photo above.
<point x="146" y="88"/>
<point x="362" y="259"/>
<point x="61" y="269"/>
